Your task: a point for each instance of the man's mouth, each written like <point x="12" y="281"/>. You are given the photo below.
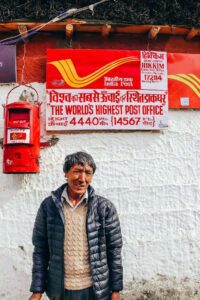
<point x="80" y="185"/>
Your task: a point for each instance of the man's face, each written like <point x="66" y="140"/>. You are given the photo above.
<point x="79" y="177"/>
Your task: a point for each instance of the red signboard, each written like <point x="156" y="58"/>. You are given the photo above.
<point x="184" y="80"/>
<point x="106" y="89"/>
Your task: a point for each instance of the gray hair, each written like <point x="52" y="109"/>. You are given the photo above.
<point x="80" y="158"/>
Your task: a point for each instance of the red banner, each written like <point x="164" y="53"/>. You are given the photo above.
<point x="106" y="89"/>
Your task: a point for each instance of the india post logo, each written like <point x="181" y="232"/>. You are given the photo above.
<point x="191" y="80"/>
<point x="68" y="72"/>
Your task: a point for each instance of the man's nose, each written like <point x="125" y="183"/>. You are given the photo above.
<point x="82" y="176"/>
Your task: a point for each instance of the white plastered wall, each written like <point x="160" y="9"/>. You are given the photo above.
<point x="153" y="178"/>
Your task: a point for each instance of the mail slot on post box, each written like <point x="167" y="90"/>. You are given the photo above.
<point x="21" y="147"/>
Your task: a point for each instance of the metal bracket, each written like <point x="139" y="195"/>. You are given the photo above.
<point x="52" y="141"/>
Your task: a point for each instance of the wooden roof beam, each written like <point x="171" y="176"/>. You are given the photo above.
<point x="153" y="32"/>
<point x="23" y="30"/>
<point x="105" y="30"/>
<point x="192" y="33"/>
<point x="69" y="31"/>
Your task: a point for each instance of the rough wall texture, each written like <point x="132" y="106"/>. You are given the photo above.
<point x="154" y="180"/>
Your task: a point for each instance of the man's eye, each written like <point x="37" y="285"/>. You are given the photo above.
<point x="89" y="173"/>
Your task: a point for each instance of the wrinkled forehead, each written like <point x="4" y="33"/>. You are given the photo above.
<point x="81" y="166"/>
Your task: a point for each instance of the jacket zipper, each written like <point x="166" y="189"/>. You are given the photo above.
<point x="89" y="247"/>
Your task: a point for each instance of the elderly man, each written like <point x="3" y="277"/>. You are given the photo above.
<point x="77" y="240"/>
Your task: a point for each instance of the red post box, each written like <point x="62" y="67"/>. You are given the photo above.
<point x="21" y="146"/>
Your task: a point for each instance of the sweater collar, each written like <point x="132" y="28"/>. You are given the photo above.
<point x="65" y="197"/>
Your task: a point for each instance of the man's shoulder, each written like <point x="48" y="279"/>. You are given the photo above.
<point x="104" y="208"/>
<point x="46" y="203"/>
<point x="47" y="200"/>
<point x="53" y="197"/>
<point x="103" y="201"/>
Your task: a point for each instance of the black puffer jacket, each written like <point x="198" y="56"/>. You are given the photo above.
<point x="104" y="239"/>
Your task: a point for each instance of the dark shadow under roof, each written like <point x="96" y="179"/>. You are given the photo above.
<point x="170" y="12"/>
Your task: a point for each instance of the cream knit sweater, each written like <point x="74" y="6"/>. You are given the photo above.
<point x="76" y="253"/>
